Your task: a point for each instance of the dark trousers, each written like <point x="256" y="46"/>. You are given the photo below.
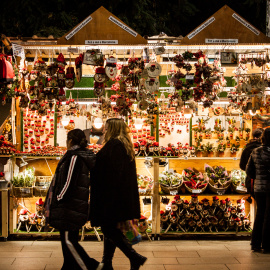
<point x="113" y="238"/>
<point x="261" y="229"/>
<point x="75" y="256"/>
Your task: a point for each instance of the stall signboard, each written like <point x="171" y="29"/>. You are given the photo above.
<point x="221" y="40"/>
<point x="100" y="42"/>
<point x="78" y="27"/>
<point x="246" y="24"/>
<point x="200" y="28"/>
<point x="120" y="24"/>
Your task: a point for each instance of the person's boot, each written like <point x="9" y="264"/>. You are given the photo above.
<point x="137" y="262"/>
<point x="108" y="252"/>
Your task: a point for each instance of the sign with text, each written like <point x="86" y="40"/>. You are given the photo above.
<point x="200" y="28"/>
<point x="120" y="24"/>
<point x="78" y="27"/>
<point x="100" y="42"/>
<point x="218" y="40"/>
<point x="73" y="50"/>
<point x="246" y="24"/>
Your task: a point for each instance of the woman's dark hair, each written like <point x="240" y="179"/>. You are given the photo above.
<point x="257" y="133"/>
<point x="266" y="137"/>
<point x="78" y="137"/>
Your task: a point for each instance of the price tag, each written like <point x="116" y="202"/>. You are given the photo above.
<point x="241" y="188"/>
<point x="73" y="50"/>
<point x="221" y="192"/>
<point x="148" y="158"/>
<point x="44" y="187"/>
<point x="41" y="183"/>
<point x="24" y="156"/>
<point x="189" y="77"/>
<point x="196" y="190"/>
<point x="25" y="190"/>
<point x="234" y="158"/>
<point x="185" y="158"/>
<point x="142" y="190"/>
<point x="57" y="158"/>
<point x="173" y="192"/>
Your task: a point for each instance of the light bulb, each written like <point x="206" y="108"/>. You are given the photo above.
<point x="98" y="123"/>
<point x="251" y="113"/>
<point x="65" y="121"/>
<point x="138" y="123"/>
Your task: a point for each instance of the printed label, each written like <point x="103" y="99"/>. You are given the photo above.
<point x="200" y="28"/>
<point x="173" y="192"/>
<point x="217" y="40"/>
<point x="78" y="28"/>
<point x="100" y="42"/>
<point x="246" y="24"/>
<point x="126" y="28"/>
<point x="196" y="190"/>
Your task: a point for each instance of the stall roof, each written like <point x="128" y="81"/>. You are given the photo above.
<point x="101" y="28"/>
<point x="225" y="27"/>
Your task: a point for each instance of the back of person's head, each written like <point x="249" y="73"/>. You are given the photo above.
<point x="78" y="137"/>
<point x="116" y="128"/>
<point x="266" y="137"/>
<point x="257" y="133"/>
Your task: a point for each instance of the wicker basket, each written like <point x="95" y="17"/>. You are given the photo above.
<point x="236" y="190"/>
<point x="41" y="186"/>
<point x="195" y="191"/>
<point x="219" y="191"/>
<point x="22" y="192"/>
<point x="173" y="190"/>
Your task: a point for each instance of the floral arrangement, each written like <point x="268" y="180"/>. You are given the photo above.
<point x="221" y="147"/>
<point x="24" y="179"/>
<point x="2" y="174"/>
<point x="200" y="147"/>
<point x="194" y="179"/>
<point x="234" y="148"/>
<point x="170" y="178"/>
<point x="145" y="183"/>
<point x="209" y="147"/>
<point x="238" y="177"/>
<point x="218" y="176"/>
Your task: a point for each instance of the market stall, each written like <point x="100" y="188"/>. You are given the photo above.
<point x="189" y="109"/>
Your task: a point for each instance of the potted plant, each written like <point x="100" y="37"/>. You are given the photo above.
<point x="221" y="149"/>
<point x="209" y="149"/>
<point x="23" y="183"/>
<point x="233" y="149"/>
<point x="247" y="130"/>
<point x="199" y="149"/>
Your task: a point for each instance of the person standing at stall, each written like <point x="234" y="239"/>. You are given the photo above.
<point x="258" y="168"/>
<point x="114" y="195"/>
<point x="252" y="144"/>
<point x="67" y="201"/>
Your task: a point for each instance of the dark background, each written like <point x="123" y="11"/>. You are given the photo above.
<point x="174" y="17"/>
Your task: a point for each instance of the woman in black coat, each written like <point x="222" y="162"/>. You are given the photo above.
<point x="67" y="202"/>
<point x="114" y="192"/>
<point x="258" y="168"/>
<point x="252" y="144"/>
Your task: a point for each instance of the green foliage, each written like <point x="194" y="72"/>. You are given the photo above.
<point x="24" y="179"/>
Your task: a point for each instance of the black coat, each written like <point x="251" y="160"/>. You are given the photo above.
<point x="114" y="188"/>
<point x="69" y="206"/>
<point x="258" y="168"/>
<point x="244" y="160"/>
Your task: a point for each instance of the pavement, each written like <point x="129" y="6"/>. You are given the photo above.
<point x="162" y="255"/>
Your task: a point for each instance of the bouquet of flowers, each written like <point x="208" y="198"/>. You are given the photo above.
<point x="221" y="147"/>
<point x="170" y="178"/>
<point x="194" y="179"/>
<point x="145" y="184"/>
<point x="218" y="176"/>
<point x="238" y="181"/>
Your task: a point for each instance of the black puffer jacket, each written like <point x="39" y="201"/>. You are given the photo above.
<point x="69" y="206"/>
<point x="244" y="160"/>
<point x="258" y="168"/>
<point x="114" y="188"/>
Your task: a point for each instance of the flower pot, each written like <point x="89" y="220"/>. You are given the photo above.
<point x="233" y="154"/>
<point x="211" y="154"/>
<point x="205" y="154"/>
<point x="221" y="154"/>
<point x="199" y="154"/>
<point x="214" y="135"/>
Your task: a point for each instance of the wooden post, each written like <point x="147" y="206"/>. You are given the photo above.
<point x="156" y="201"/>
<point x="4" y="202"/>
